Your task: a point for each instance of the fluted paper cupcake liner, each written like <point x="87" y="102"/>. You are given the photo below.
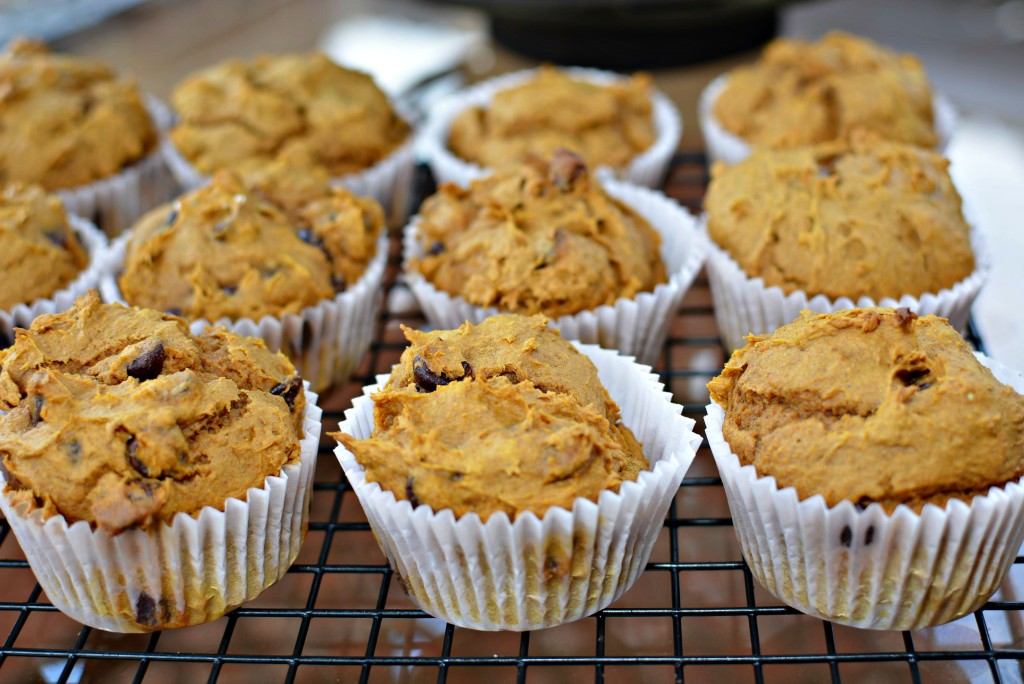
<point x="116" y="202"/>
<point x="191" y="571"/>
<point x="325" y="341"/>
<point x="868" y="568"/>
<point x="728" y="147"/>
<point x="647" y="168"/>
<point x="534" y="572"/>
<point x="745" y="305"/>
<point x="22" y="315"/>
<point x="389" y="181"/>
<point x="636" y="326"/>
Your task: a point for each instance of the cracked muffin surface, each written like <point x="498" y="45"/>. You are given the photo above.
<point x="67" y="121"/>
<point x="602" y="123"/>
<point x="865" y="218"/>
<point x="119" y="417"/>
<point x="237" y="112"/>
<point x="801" y="93"/>
<point x="505" y="416"/>
<point x="271" y="240"/>
<point x="871" y="405"/>
<point x="539" y="237"/>
<point x="39" y="252"/>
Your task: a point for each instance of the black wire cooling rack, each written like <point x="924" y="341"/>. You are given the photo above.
<point x="696" y="615"/>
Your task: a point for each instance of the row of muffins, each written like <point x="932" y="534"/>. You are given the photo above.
<point x="563" y="175"/>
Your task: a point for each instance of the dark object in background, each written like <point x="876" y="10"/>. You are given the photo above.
<point x="639" y="34"/>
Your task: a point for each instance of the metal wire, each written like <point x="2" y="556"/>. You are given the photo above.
<point x="40" y="643"/>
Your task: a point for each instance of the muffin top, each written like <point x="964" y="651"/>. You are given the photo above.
<point x="539" y="237"/>
<point x="867" y="218"/>
<point x="269" y="243"/>
<point x="604" y="124"/>
<point x="39" y="252"/>
<point x="120" y="417"/>
<point x="871" y="405"/>
<point x="801" y="93"/>
<point x="236" y="111"/>
<point x="66" y="121"/>
<point x="502" y="416"/>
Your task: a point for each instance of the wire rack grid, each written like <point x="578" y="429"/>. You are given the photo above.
<point x="339" y="615"/>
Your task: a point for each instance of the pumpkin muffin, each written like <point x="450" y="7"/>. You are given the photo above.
<point x="244" y="111"/>
<point x="801" y="93"/>
<point x="66" y="121"/>
<point x="873" y="466"/>
<point x="39" y="252"/>
<point x="538" y="237"/>
<point x="604" y="124"/>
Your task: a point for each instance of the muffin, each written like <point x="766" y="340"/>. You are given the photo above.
<point x="299" y="261"/>
<point x="47" y="257"/>
<point x="503" y="484"/>
<point x="72" y="125"/>
<point x="240" y="112"/>
<point x="546" y="237"/>
<point x="849" y="443"/>
<point x="606" y="119"/>
<point x="824" y="227"/>
<point x="802" y="93"/>
<point x="154" y="479"/>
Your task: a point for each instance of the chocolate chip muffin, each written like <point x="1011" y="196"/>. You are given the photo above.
<point x="65" y="121"/>
<point x="801" y="93"/>
<point x="121" y="418"/>
<point x="270" y="242"/>
<point x="871" y="405"/>
<point x="866" y="218"/>
<point x="538" y="237"/>
<point x="39" y="252"/>
<point x="604" y="124"/>
<point x="503" y="416"/>
<point x="236" y="111"/>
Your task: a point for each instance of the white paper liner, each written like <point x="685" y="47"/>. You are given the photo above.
<point x="743" y="305"/>
<point x="116" y="202"/>
<point x="22" y="315"/>
<point x="192" y="571"/>
<point x="534" y="572"/>
<point x="728" y="147"/>
<point x="637" y="326"/>
<point x="868" y="568"/>
<point x="389" y="181"/>
<point x="325" y="342"/>
<point x="647" y="168"/>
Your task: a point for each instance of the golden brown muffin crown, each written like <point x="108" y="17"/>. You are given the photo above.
<point x="871" y="405"/>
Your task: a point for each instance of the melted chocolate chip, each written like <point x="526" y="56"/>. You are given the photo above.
<point x="904" y="316"/>
<point x="35" y="414"/>
<point x="288" y="390"/>
<point x="869" y="536"/>
<point x="426" y="381"/>
<point x="846" y="536"/>
<point x="565" y="168"/>
<point x="436" y="247"/>
<point x="137" y="465"/>
<point x="57" y="237"/>
<point x="145" y="610"/>
<point x="410" y="494"/>
<point x="911" y="376"/>
<point x="149" y="363"/>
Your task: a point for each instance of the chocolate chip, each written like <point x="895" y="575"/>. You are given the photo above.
<point x="35" y="414"/>
<point x="57" y="237"/>
<point x="426" y="381"/>
<point x="869" y="536"/>
<point x="846" y="536"/>
<point x="149" y="363"/>
<point x="565" y="168"/>
<point x="288" y="390"/>
<point x="410" y="494"/>
<point x="904" y="316"/>
<point x="74" y="450"/>
<point x="911" y="376"/>
<point x="436" y="247"/>
<point x="145" y="610"/>
<point x="137" y="465"/>
<point x="467" y="371"/>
